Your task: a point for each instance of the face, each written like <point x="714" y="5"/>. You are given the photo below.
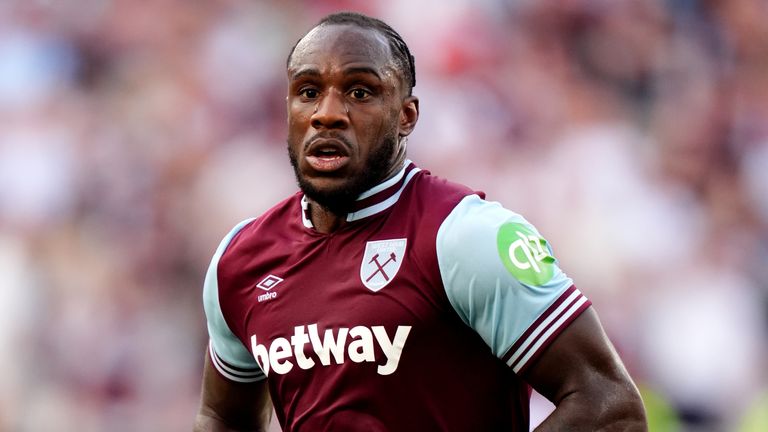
<point x="347" y="110"/>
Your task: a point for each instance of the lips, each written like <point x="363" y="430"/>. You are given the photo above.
<point x="327" y="154"/>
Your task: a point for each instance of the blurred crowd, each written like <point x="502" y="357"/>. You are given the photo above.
<point x="135" y="134"/>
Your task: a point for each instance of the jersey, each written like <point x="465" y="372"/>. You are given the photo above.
<point x="421" y="313"/>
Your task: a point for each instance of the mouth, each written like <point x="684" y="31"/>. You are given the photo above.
<point x="327" y="154"/>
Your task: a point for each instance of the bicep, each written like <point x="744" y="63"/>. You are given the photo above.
<point x="580" y="355"/>
<point x="581" y="368"/>
<point x="228" y="405"/>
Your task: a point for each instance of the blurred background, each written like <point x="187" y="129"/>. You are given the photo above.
<point x="135" y="134"/>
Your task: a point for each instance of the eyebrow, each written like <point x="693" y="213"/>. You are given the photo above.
<point x="362" y="70"/>
<point x="305" y="72"/>
<point x="312" y="72"/>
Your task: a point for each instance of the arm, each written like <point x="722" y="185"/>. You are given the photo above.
<point x="229" y="406"/>
<point x="583" y="376"/>
<point x="511" y="291"/>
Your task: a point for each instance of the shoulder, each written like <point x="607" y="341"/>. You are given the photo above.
<point x="502" y="279"/>
<point x="424" y="206"/>
<point x="507" y="238"/>
<point x="433" y="197"/>
<point x="274" y="227"/>
<point x="435" y="188"/>
<point x="282" y="217"/>
<point x="473" y="216"/>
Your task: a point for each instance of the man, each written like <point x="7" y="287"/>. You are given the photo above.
<point x="381" y="298"/>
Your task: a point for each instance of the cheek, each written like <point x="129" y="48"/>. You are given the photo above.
<point x="298" y="121"/>
<point x="387" y="124"/>
<point x="381" y="121"/>
<point x="298" y="112"/>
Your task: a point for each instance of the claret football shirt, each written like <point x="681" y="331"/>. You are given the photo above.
<point x="420" y="314"/>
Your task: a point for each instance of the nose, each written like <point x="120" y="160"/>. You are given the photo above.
<point x="331" y="112"/>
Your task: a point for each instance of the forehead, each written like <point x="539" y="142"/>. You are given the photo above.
<point x="329" y="46"/>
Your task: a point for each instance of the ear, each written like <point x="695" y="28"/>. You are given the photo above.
<point x="409" y="115"/>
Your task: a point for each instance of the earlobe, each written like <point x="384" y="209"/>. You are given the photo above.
<point x="409" y="115"/>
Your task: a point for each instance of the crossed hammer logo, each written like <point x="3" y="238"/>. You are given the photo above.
<point x="380" y="266"/>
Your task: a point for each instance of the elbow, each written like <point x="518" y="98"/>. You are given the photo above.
<point x="623" y="410"/>
<point x="608" y="407"/>
<point x="636" y="413"/>
<point x="210" y="422"/>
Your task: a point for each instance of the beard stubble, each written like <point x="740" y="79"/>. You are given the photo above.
<point x="340" y="200"/>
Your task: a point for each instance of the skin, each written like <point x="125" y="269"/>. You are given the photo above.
<point x="229" y="406"/>
<point x="343" y="87"/>
<point x="581" y="373"/>
<point x="342" y="83"/>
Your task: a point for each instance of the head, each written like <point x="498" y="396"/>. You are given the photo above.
<point x="350" y="107"/>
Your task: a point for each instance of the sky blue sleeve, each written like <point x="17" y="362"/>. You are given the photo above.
<point x="228" y="354"/>
<point x="502" y="279"/>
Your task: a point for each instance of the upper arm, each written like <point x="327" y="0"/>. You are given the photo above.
<point x="234" y="386"/>
<point x="232" y="406"/>
<point x="502" y="279"/>
<point x="581" y="373"/>
<point x="230" y="356"/>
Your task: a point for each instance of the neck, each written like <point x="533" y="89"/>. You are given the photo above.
<point x="324" y="220"/>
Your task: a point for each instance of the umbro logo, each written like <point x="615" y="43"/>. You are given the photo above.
<point x="267" y="284"/>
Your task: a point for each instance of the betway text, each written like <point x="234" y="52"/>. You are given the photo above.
<point x="335" y="345"/>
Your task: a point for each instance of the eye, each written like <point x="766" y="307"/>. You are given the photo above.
<point x="360" y="93"/>
<point x="309" y="93"/>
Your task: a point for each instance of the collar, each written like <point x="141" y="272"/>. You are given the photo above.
<point x="376" y="199"/>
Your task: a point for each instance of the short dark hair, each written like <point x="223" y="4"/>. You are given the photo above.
<point x="404" y="61"/>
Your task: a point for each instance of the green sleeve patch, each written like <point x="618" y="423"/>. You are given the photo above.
<point x="525" y="254"/>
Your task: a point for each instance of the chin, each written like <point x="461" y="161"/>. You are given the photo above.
<point x="336" y="195"/>
<point x="337" y="204"/>
<point x="338" y="191"/>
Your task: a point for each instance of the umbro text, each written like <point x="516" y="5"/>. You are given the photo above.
<point x="267" y="296"/>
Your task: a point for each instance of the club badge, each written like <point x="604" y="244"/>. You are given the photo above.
<point x="381" y="262"/>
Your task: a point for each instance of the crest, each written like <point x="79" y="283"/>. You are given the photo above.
<point x="381" y="262"/>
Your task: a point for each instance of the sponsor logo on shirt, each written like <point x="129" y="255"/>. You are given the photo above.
<point x="525" y="254"/>
<point x="381" y="262"/>
<point x="267" y="284"/>
<point x="334" y="346"/>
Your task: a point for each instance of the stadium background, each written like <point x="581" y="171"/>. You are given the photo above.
<point x="134" y="134"/>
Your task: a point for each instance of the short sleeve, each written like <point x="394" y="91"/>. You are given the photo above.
<point x="502" y="279"/>
<point x="228" y="354"/>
